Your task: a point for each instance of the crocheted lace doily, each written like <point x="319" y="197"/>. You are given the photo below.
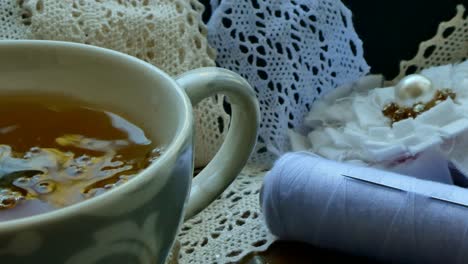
<point x="291" y="51"/>
<point x="165" y="33"/>
<point x="230" y="228"/>
<point x="449" y="45"/>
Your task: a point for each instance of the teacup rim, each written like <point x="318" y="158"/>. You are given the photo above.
<point x="171" y="150"/>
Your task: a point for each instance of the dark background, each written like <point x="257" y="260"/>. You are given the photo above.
<point x="391" y="30"/>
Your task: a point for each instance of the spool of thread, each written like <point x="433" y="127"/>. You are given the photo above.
<point x="365" y="211"/>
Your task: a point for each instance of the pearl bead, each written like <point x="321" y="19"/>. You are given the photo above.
<point x="413" y="89"/>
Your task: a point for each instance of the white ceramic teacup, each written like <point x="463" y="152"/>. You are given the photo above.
<point x="138" y="221"/>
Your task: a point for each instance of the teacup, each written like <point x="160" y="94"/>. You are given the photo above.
<point x="138" y="221"/>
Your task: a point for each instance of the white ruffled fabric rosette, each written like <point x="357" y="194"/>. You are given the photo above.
<point x="349" y="125"/>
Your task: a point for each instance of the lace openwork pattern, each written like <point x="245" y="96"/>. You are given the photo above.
<point x="449" y="45"/>
<point x="230" y="228"/>
<point x="291" y="52"/>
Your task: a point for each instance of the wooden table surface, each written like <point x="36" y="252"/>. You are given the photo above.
<point x="300" y="253"/>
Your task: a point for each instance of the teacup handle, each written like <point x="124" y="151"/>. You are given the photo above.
<point x="241" y="137"/>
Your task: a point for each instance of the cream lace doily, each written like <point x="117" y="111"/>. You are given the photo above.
<point x="449" y="45"/>
<point x="230" y="228"/>
<point x="290" y="51"/>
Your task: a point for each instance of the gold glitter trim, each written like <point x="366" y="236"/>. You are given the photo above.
<point x="397" y="113"/>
